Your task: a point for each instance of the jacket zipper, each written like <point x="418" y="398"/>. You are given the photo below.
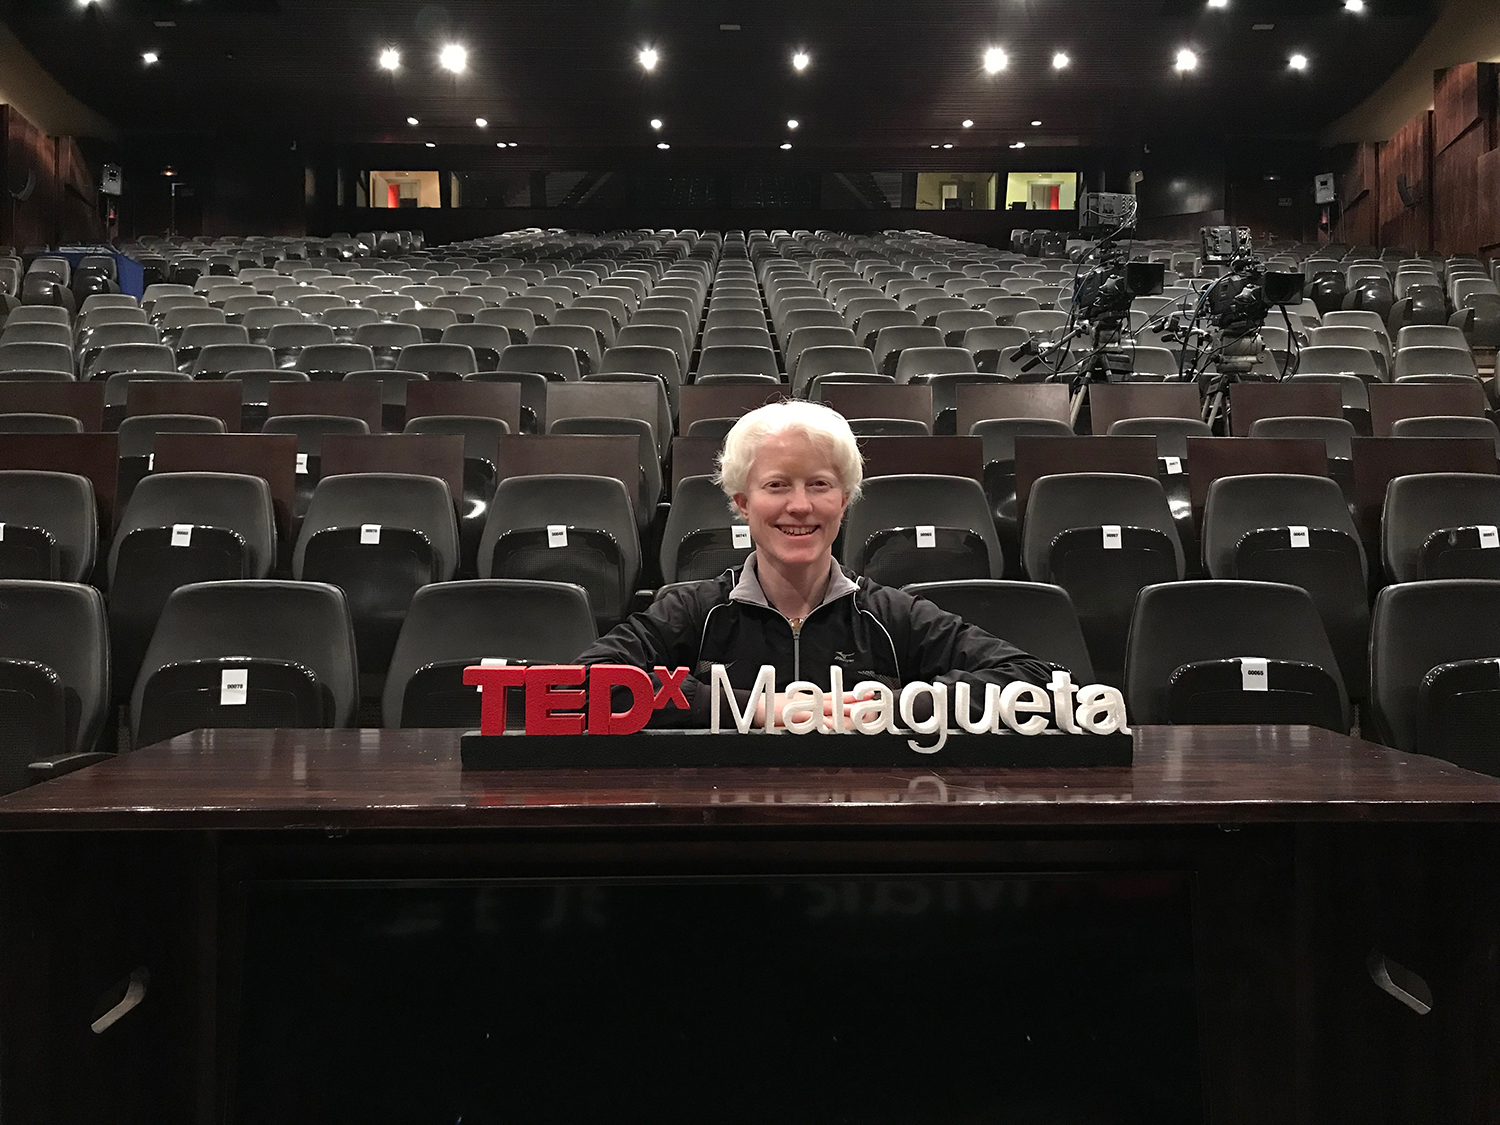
<point x="796" y="624"/>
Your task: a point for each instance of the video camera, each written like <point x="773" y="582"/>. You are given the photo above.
<point x="1105" y="292"/>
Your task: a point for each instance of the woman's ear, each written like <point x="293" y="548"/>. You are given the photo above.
<point x="741" y="504"/>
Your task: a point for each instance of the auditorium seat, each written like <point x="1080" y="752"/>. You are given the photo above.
<point x="454" y="625"/>
<point x="1339" y="360"/>
<point x="38" y="357"/>
<point x="1295" y="529"/>
<point x="583" y="342"/>
<point x="259" y="322"/>
<point x="886" y="531"/>
<point x="247" y="654"/>
<point x="892" y="341"/>
<point x="1189" y="642"/>
<point x="219" y="361"/>
<point x="37" y="423"/>
<point x="1102" y="537"/>
<point x="802" y="339"/>
<point x="544" y="359"/>
<point x="486" y="341"/>
<point x="288" y="340"/>
<point x="380" y="537"/>
<point x="35" y="332"/>
<point x="91" y="343"/>
<point x="644" y="431"/>
<point x="1431" y="335"/>
<point x="519" y="323"/>
<point x="566" y="528"/>
<point x="699" y="540"/>
<point x="49" y="526"/>
<point x="1447" y="426"/>
<point x="309" y="430"/>
<point x="737" y="359"/>
<point x="1171" y="434"/>
<point x="1441" y="525"/>
<point x="1426" y="360"/>
<point x="54" y="675"/>
<point x="1035" y="617"/>
<point x="1435" y="670"/>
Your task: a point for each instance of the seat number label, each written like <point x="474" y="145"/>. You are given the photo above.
<point x="1489" y="537"/>
<point x="182" y="535"/>
<point x="1254" y="675"/>
<point x="1299" y="536"/>
<point x="740" y="535"/>
<point x="926" y="535"/>
<point x="1174" y="466"/>
<point x="1112" y="537"/>
<point x="234" y="687"/>
<point x="557" y="535"/>
<point x="302" y="464"/>
<point x="369" y="533"/>
<point x="2" y="533"/>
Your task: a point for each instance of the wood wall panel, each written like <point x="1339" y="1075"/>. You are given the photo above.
<point x="1407" y="157"/>
<point x="62" y="206"/>
<point x="1359" y="196"/>
<point x="1455" y="193"/>
<point x="1460" y="99"/>
<point x="1487" y="220"/>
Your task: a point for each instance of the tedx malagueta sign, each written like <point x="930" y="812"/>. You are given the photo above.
<point x="571" y="699"/>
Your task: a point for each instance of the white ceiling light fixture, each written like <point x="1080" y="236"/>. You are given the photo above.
<point x="150" y="58"/>
<point x="1354" y="5"/>
<point x="948" y="145"/>
<point x="936" y="146"/>
<point x="1019" y="144"/>
<point x="792" y="123"/>
<point x="1060" y="60"/>
<point x="1035" y="123"/>
<point x="1298" y="62"/>
<point x="663" y="145"/>
<point x="481" y="123"/>
<point x="412" y="121"/>
<point x="454" y="58"/>
<point x="785" y="145"/>
<point x="431" y="144"/>
<point x="1218" y="3"/>
<point x="1186" y="61"/>
<point x="648" y="58"/>
<point x="995" y="60"/>
<point x="968" y="124"/>
<point x="656" y="123"/>
<point x="390" y="59"/>
<point x="801" y="61"/>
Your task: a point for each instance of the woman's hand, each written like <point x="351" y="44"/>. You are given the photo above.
<point x="781" y="699"/>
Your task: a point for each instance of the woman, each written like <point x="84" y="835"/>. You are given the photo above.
<point x="791" y="470"/>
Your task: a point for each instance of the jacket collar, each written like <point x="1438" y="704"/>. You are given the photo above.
<point x="748" y="588"/>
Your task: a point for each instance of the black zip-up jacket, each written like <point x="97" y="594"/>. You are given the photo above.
<point x="873" y="632"/>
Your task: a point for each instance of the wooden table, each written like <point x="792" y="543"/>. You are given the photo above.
<point x="1308" y="852"/>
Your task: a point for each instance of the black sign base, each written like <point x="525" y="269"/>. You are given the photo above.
<point x="696" y="748"/>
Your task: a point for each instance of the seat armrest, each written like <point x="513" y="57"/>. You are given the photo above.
<point x="55" y="767"/>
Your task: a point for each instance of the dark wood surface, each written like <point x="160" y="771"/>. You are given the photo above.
<point x="1110" y="402"/>
<point x="595" y="455"/>
<point x="84" y="401"/>
<point x="1378" y="461"/>
<point x="1038" y="457"/>
<point x="605" y="400"/>
<point x="217" y="398"/>
<point x="272" y="457"/>
<point x="1250" y="402"/>
<point x="979" y="402"/>
<point x="432" y="455"/>
<point x="695" y="402"/>
<point x="1211" y="458"/>
<point x="392" y="779"/>
<point x="353" y="400"/>
<point x="1390" y="402"/>
<point x="879" y="400"/>
<point x="466" y="397"/>
<point x="95" y="456"/>
<point x="948" y="456"/>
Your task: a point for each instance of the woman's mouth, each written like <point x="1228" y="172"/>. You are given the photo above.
<point x="797" y="532"/>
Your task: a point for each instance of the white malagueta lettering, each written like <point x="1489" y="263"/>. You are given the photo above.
<point x="1025" y="709"/>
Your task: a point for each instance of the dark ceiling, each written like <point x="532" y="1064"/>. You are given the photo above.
<point x="553" y="74"/>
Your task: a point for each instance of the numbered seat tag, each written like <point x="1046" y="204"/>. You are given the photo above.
<point x="1299" y="536"/>
<point x="182" y="535"/>
<point x="302" y="464"/>
<point x="1173" y="466"/>
<point x="234" y="687"/>
<point x="1112" y="537"/>
<point x="369" y="533"/>
<point x="557" y="535"/>
<point x="1254" y="674"/>
<point x="1489" y="537"/>
<point x="926" y="535"/>
<point x="740" y="535"/>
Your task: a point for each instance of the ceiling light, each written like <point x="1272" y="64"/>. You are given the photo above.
<point x="481" y="123"/>
<point x="86" y="3"/>
<point x="390" y="59"/>
<point x="648" y="58"/>
<point x="792" y="123"/>
<point x="936" y="146"/>
<point x="1218" y="3"/>
<point x="431" y="144"/>
<point x="1019" y="144"/>
<point x="995" y="60"/>
<point x="1354" y="5"/>
<point x="948" y="145"/>
<point x="656" y="123"/>
<point x="1298" y="62"/>
<point x="412" y="121"/>
<point x="454" y="58"/>
<point x="801" y="60"/>
<point x="785" y="145"/>
<point x="1060" y="60"/>
<point x="663" y="145"/>
<point x="150" y="58"/>
<point x="499" y="144"/>
<point x="1036" y="122"/>
<point x="968" y="124"/>
<point x="1186" y="60"/>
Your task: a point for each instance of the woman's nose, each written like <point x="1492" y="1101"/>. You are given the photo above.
<point x="799" y="500"/>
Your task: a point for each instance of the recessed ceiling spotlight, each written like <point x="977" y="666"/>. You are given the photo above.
<point x="454" y="58"/>
<point x="500" y="144"/>
<point x="968" y="124"/>
<point x="948" y="145"/>
<point x="792" y="123"/>
<point x="390" y="59"/>
<point x="86" y="3"/>
<point x="663" y="145"/>
<point x="648" y="58"/>
<point x="1218" y="3"/>
<point x="1186" y="60"/>
<point x="1036" y="123"/>
<point x="995" y="60"/>
<point x="656" y="123"/>
<point x="801" y="60"/>
<point x="150" y="58"/>
<point x="1019" y="144"/>
<point x="431" y="144"/>
<point x="936" y="146"/>
<point x="412" y="121"/>
<point x="785" y="145"/>
<point x="481" y="123"/>
<point x="1354" y="5"/>
<point x="1060" y="60"/>
<point x="1298" y="62"/>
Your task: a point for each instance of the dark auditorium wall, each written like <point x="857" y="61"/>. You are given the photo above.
<point x="247" y="185"/>
<point x="1448" y="159"/>
<point x="63" y="203"/>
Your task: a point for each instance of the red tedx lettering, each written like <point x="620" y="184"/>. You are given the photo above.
<point x="671" y="688"/>
<point x="492" y="680"/>
<point x="603" y="679"/>
<point x="543" y="701"/>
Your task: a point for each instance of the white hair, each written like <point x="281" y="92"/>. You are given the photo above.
<point x="825" y="429"/>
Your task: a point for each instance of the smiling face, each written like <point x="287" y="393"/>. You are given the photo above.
<point x="793" y="503"/>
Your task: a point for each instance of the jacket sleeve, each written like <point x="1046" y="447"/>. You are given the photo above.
<point x="667" y="633"/>
<point x="941" y="647"/>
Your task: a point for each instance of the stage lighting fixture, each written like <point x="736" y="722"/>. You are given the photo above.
<point x="995" y="60"/>
<point x="390" y="59"/>
<point x="454" y="58"/>
<point x="648" y="58"/>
